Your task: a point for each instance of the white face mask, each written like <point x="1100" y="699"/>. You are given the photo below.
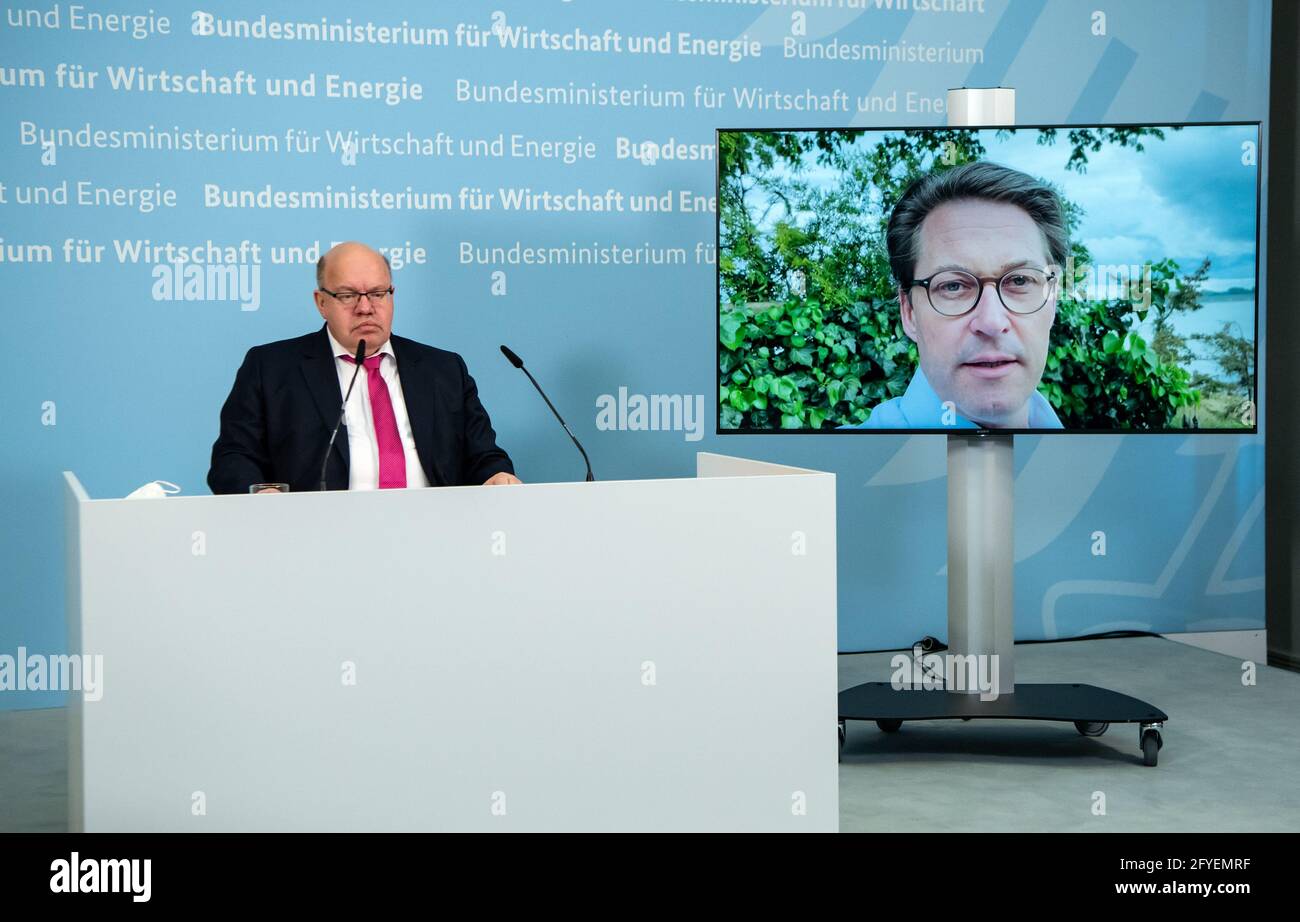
<point x="154" y="489"/>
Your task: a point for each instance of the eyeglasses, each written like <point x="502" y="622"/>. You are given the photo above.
<point x="350" y="298"/>
<point x="954" y="292"/>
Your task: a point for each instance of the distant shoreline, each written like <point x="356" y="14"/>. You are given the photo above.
<point x="1230" y="293"/>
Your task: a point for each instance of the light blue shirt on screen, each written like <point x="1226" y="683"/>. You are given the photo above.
<point x="920" y="408"/>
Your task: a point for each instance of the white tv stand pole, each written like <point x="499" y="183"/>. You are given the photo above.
<point x="981" y="489"/>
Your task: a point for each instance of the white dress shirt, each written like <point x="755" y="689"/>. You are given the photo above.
<point x="363" y="447"/>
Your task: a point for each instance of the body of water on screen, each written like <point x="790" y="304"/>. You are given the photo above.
<point x="1216" y="310"/>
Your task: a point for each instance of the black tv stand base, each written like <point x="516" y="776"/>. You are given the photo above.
<point x="1089" y="708"/>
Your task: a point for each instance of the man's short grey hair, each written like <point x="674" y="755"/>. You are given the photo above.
<point x="986" y="181"/>
<point x="320" y="268"/>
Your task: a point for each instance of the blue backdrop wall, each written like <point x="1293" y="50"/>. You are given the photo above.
<point x="197" y="124"/>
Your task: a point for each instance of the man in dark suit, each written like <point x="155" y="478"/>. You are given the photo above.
<point x="414" y="418"/>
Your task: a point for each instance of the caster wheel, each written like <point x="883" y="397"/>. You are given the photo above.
<point x="889" y="726"/>
<point x="1091" y="727"/>
<point x="1151" y="743"/>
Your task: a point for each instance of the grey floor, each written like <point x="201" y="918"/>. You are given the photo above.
<point x="34" y="771"/>
<point x="1230" y="760"/>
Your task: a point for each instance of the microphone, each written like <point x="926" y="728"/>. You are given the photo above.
<point x="519" y="363"/>
<point x="360" y="358"/>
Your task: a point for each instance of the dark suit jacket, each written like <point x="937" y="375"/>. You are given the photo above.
<point x="277" y="420"/>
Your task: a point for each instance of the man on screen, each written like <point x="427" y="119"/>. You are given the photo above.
<point x="413" y="419"/>
<point x="976" y="252"/>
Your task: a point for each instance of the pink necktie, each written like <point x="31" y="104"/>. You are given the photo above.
<point x="392" y="457"/>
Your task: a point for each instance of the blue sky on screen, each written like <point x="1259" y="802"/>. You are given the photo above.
<point x="1187" y="197"/>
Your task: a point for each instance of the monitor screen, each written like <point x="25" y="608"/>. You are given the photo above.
<point x="1035" y="279"/>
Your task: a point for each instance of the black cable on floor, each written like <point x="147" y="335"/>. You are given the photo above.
<point x="1104" y="635"/>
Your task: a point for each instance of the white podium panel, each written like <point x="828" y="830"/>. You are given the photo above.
<point x="636" y="655"/>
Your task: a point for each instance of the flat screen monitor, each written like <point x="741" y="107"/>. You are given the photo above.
<point x="1036" y="279"/>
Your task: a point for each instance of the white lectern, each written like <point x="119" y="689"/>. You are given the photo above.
<point x="635" y="655"/>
